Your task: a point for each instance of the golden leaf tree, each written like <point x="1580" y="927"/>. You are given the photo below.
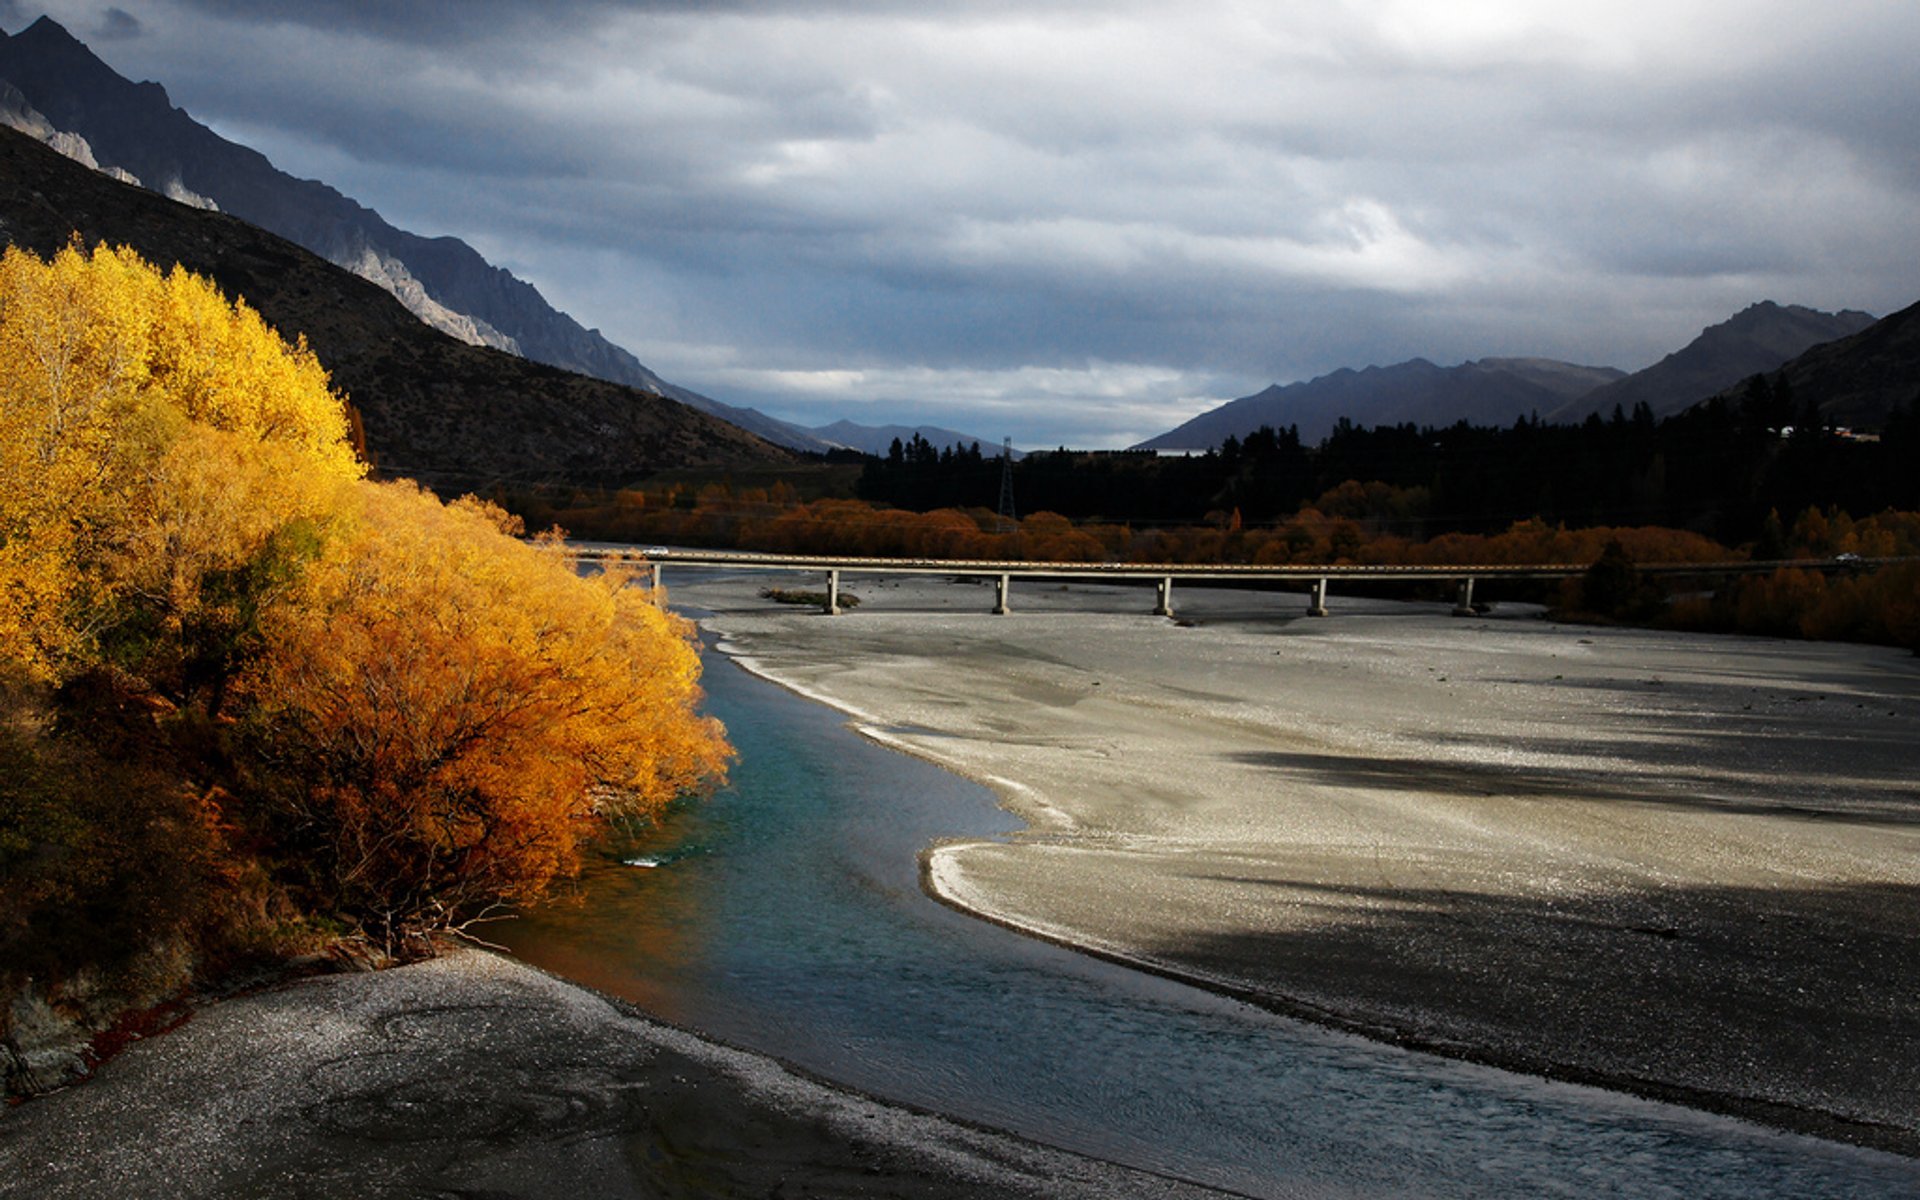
<point x="336" y="695"/>
<point x="450" y="712"/>
<point x="154" y="439"/>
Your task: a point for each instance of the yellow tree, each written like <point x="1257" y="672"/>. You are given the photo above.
<point x="436" y="712"/>
<point x="154" y="439"/>
<point x="450" y="711"/>
<point x="136" y="500"/>
<point x="73" y="359"/>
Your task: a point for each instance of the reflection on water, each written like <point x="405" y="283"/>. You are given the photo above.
<point x="784" y="915"/>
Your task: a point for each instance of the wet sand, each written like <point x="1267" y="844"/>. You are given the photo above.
<point x="472" y="1075"/>
<point x="1683" y="867"/>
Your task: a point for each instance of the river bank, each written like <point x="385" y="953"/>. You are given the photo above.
<point x="1680" y="867"/>
<point x="476" y="1075"/>
<point x="473" y="1074"/>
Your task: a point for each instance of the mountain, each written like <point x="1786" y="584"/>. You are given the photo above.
<point x="878" y="439"/>
<point x="1862" y="379"/>
<point x="453" y="415"/>
<point x="1755" y="340"/>
<point x="17" y="114"/>
<point x="1491" y="391"/>
<point x="442" y="280"/>
<point x="780" y="433"/>
<point x="1494" y="391"/>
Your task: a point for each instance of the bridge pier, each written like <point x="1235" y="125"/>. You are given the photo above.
<point x="1463" y="575"/>
<point x="1464" y="608"/>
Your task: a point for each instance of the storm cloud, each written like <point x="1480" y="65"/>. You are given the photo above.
<point x="1083" y="223"/>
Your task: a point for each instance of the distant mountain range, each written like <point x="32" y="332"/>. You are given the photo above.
<point x="451" y="414"/>
<point x="135" y="129"/>
<point x="55" y="90"/>
<point x="1490" y="391"/>
<point x="1498" y="391"/>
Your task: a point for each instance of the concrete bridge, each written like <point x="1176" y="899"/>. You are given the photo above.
<point x="1316" y="578"/>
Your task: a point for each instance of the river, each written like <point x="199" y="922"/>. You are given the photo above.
<point x="784" y="915"/>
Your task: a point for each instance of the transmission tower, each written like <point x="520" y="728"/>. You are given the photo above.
<point x="1008" y="520"/>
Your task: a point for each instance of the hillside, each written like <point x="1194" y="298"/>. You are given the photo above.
<point x="442" y="280"/>
<point x="1859" y="380"/>
<point x="1491" y="391"/>
<point x="1756" y="339"/>
<point x="439" y="409"/>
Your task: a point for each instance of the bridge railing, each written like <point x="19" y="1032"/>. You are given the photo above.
<point x="1317" y="577"/>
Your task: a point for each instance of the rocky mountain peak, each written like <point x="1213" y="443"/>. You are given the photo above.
<point x="1756" y="339"/>
<point x="47" y="32"/>
<point x="45" y="49"/>
<point x="442" y="280"/>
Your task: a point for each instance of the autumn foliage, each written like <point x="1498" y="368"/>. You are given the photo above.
<point x="1880" y="606"/>
<point x="122" y="389"/>
<point x="1352" y="523"/>
<point x="449" y="713"/>
<point x="250" y="699"/>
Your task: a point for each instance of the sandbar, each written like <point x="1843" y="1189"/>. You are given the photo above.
<point x="1686" y="867"/>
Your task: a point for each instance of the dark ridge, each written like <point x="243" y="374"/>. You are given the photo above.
<point x="450" y="414"/>
<point x="1861" y="380"/>
<point x="1491" y="391"/>
<point x="135" y="126"/>
<point x="1757" y="339"/>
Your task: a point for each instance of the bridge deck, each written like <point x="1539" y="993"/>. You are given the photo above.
<point x="1318" y="578"/>
<point x="1304" y="573"/>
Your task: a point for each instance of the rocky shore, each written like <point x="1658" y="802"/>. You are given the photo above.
<point x="474" y="1075"/>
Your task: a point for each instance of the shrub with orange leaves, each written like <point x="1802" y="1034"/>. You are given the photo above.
<point x="333" y="691"/>
<point x="449" y="712"/>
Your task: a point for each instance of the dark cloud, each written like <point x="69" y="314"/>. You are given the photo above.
<point x="1065" y="215"/>
<point x="433" y="24"/>
<point x="468" y="22"/>
<point x="117" y="24"/>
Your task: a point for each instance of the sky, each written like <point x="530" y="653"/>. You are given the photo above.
<point x="1082" y="223"/>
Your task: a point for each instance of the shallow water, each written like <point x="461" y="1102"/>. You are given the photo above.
<point x="785" y="915"/>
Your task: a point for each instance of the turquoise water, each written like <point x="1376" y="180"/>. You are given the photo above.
<point x="784" y="915"/>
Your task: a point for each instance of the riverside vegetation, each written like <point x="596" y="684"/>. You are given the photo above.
<point x="255" y="705"/>
<point x="1706" y="484"/>
<point x="1349" y="523"/>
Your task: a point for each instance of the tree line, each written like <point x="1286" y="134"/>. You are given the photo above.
<point x="1350" y="523"/>
<point x="1717" y="469"/>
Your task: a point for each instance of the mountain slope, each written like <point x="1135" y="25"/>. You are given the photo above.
<point x="16" y="113"/>
<point x="1490" y="391"/>
<point x="452" y="414"/>
<point x="442" y="280"/>
<point x="1862" y="379"/>
<point x="1759" y="338"/>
